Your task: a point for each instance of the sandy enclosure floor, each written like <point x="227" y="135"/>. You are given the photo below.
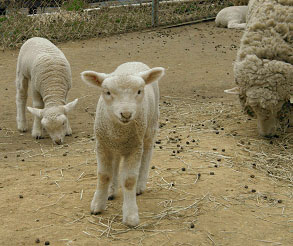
<point x="210" y="183"/>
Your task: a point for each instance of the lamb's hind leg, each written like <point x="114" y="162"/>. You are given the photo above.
<point x="113" y="188"/>
<point x="37" y="131"/>
<point x="144" y="167"/>
<point x="98" y="203"/>
<point x="236" y="25"/>
<point x="21" y="99"/>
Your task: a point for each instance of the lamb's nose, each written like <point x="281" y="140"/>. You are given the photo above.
<point x="126" y="115"/>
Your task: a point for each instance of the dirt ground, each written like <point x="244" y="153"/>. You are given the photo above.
<point x="207" y="184"/>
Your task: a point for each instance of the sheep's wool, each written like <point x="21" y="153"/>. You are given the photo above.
<point x="263" y="68"/>
<point x="48" y="69"/>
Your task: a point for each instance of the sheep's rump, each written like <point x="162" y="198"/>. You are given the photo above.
<point x="263" y="68"/>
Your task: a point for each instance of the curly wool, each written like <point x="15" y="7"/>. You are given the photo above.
<point x="263" y="68"/>
<point x="48" y="69"/>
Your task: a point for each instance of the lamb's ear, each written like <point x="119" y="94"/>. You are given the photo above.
<point x="152" y="75"/>
<point x="234" y="91"/>
<point x="93" y="78"/>
<point x="69" y="106"/>
<point x="36" y="111"/>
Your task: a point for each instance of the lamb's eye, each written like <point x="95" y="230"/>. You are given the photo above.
<point x="139" y="91"/>
<point x="63" y="123"/>
<point x="108" y="93"/>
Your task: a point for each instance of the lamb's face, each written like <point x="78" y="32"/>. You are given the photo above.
<point x="54" y="120"/>
<point x="55" y="123"/>
<point x="123" y="96"/>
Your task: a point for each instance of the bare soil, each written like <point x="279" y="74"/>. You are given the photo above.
<point x="208" y="183"/>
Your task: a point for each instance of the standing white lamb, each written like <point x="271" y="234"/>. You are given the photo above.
<point x="263" y="69"/>
<point x="232" y="17"/>
<point x="49" y="73"/>
<point x="125" y="127"/>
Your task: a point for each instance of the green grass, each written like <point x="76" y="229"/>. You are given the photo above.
<point x="75" y="5"/>
<point x="3" y="18"/>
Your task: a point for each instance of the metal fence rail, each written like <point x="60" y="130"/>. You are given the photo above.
<point x="63" y="20"/>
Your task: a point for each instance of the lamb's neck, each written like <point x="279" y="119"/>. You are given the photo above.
<point x="55" y="93"/>
<point x="53" y="100"/>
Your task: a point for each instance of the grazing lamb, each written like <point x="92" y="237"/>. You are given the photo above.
<point x="232" y="17"/>
<point x="125" y="127"/>
<point x="263" y="68"/>
<point x="42" y="63"/>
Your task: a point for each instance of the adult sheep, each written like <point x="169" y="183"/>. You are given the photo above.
<point x="49" y="73"/>
<point x="232" y="17"/>
<point x="125" y="127"/>
<point x="263" y="69"/>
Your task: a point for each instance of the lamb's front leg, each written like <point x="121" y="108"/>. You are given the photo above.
<point x="68" y="128"/>
<point x="129" y="176"/>
<point x="104" y="172"/>
<point x="37" y="131"/>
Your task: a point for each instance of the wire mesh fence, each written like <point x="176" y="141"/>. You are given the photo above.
<point x="61" y="20"/>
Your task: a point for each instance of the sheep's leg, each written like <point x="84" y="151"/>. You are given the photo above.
<point x="144" y="168"/>
<point x="37" y="131"/>
<point x="236" y="25"/>
<point x="98" y="203"/>
<point x="129" y="176"/>
<point x="113" y="188"/>
<point x="21" y="98"/>
<point x="68" y="129"/>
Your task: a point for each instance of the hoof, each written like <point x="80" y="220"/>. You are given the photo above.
<point x="68" y="132"/>
<point x="131" y="221"/>
<point x="112" y="197"/>
<point x="22" y="127"/>
<point x="140" y="190"/>
<point x="95" y="213"/>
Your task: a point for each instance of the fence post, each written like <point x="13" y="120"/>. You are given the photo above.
<point x="155" y="9"/>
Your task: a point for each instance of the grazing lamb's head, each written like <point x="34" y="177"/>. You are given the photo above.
<point x="265" y="105"/>
<point x="267" y="121"/>
<point x="123" y="94"/>
<point x="54" y="120"/>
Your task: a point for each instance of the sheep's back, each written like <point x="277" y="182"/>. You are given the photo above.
<point x="269" y="31"/>
<point x="46" y="66"/>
